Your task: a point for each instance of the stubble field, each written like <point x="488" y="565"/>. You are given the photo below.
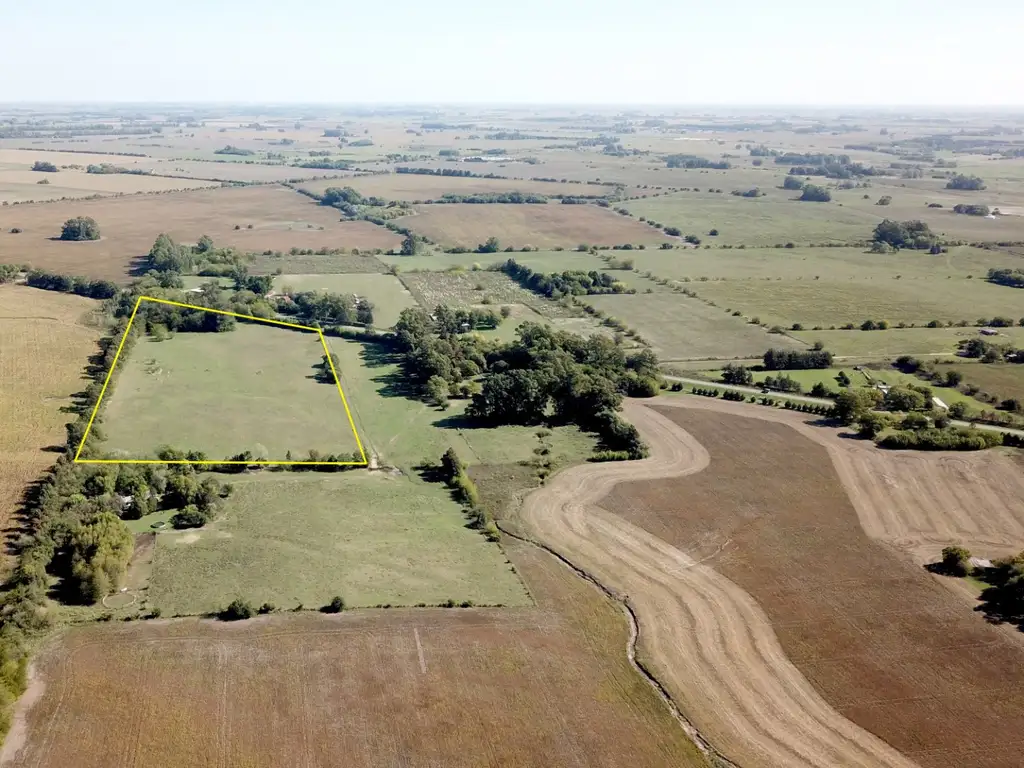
<point x="45" y="342"/>
<point x="512" y="687"/>
<point x="280" y="219"/>
<point x="540" y="226"/>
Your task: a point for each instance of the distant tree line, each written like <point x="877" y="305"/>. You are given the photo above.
<point x="232" y="150"/>
<point x="107" y="168"/>
<point x="791" y="359"/>
<point x="447" y="172"/>
<point x="1013" y="278"/>
<point x="515" y="198"/>
<point x="568" y="283"/>
<point x="324" y="165"/>
<point x="694" y="161"/>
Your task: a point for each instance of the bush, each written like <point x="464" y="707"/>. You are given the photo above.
<point x="267" y="608"/>
<point x="80" y="228"/>
<point x="961" y="181"/>
<point x="337" y="605"/>
<point x="815" y="194"/>
<point x="45" y="167"/>
<point x="956" y="561"/>
<point x="238" y="610"/>
<point x="610" y="456"/>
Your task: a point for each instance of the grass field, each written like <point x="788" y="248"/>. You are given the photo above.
<point x="826" y="304"/>
<point x="252" y="388"/>
<point x="316" y="264"/>
<point x="388" y="295"/>
<point x="540" y="226"/>
<point x="900" y="341"/>
<point x="280" y="219"/>
<point x="45" y="341"/>
<point x="1002" y="380"/>
<point x="410" y="186"/>
<point x="294" y="539"/>
<point x="679" y="327"/>
<point x="877" y="636"/>
<point x="517" y="687"/>
<point x="541" y="261"/>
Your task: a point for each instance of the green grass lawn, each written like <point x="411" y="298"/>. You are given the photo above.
<point x="252" y="388"/>
<point x="388" y="295"/>
<point x="807" y="379"/>
<point x="291" y="538"/>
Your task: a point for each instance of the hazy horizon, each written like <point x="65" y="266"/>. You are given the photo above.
<point x="878" y="54"/>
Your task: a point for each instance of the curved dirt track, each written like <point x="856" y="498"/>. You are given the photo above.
<point x="708" y="642"/>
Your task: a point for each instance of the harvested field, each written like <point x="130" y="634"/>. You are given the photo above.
<point x="23" y="186"/>
<point x="682" y="328"/>
<point x="411" y="186"/>
<point x="518" y="688"/>
<point x="540" y="226"/>
<point x="908" y="653"/>
<point x="280" y="218"/>
<point x="705" y="639"/>
<point x="45" y="342"/>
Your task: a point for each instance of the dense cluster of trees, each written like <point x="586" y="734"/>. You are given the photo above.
<point x="106" y="168"/>
<point x="944" y="439"/>
<point x="1011" y="277"/>
<point x="80" y="228"/>
<point x="961" y="181"/>
<point x="568" y="283"/>
<point x="971" y="210"/>
<point x="321" y="307"/>
<point x="513" y="198"/>
<point x="904" y="234"/>
<point x="738" y="375"/>
<point x="783" y="383"/>
<point x="792" y="182"/>
<point x="44" y="166"/>
<point x="694" y="161"/>
<point x="82" y="286"/>
<point x="323" y="164"/>
<point x="233" y="150"/>
<point x="815" y="194"/>
<point x="447" y="172"/>
<point x="792" y="359"/>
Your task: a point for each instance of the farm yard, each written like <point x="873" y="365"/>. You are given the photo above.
<point x="201" y="392"/>
<point x="267" y="218"/>
<point x="766" y="569"/>
<point x="539" y="226"/>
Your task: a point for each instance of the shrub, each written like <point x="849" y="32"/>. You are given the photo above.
<point x="337" y="605"/>
<point x="956" y="561"/>
<point x="238" y="610"/>
<point x="815" y="194"/>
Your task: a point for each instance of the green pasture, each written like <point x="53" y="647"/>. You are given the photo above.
<point x="301" y="538"/>
<point x="922" y="342"/>
<point x="387" y="294"/>
<point x="252" y="388"/>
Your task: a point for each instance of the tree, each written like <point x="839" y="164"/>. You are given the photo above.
<point x="852" y="404"/>
<point x="100" y="550"/>
<point x="904" y="234"/>
<point x="204" y="244"/>
<point x="410" y="246"/>
<point x="491" y="246"/>
<point x="815" y="194"/>
<point x="437" y="391"/>
<point x="953" y="378"/>
<point x="792" y="182"/>
<point x="737" y="374"/>
<point x="871" y="424"/>
<point x="956" y="561"/>
<point x="42" y="165"/>
<point x="337" y="605"/>
<point x="80" y="228"/>
<point x="906" y="399"/>
<point x="957" y="410"/>
<point x="961" y="181"/>
<point x="843" y="379"/>
<point x="238" y="610"/>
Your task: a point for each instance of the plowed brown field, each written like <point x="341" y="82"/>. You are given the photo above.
<point x="280" y="218"/>
<point x="544" y="686"/>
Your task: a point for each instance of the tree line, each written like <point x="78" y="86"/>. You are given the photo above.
<point x="1013" y="278"/>
<point x="567" y="283"/>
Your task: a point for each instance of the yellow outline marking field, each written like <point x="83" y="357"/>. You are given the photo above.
<point x="117" y="356"/>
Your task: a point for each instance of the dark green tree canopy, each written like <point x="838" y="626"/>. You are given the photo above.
<point x="80" y="228"/>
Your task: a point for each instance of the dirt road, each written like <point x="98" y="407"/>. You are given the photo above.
<point x="705" y="639"/>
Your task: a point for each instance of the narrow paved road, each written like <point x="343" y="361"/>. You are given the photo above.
<point x="706" y="640"/>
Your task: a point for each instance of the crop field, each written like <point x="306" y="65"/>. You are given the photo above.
<point x="300" y="538"/>
<point x="45" y="342"/>
<point x="23" y="186"/>
<point x="883" y="642"/>
<point x="529" y="686"/>
<point x="280" y="219"/>
<point x="467" y="289"/>
<point x="826" y="304"/>
<point x="540" y="226"/>
<point x="679" y="327"/>
<point x="411" y="186"/>
<point x="404" y="432"/>
<point x="388" y="295"/>
<point x="253" y="388"/>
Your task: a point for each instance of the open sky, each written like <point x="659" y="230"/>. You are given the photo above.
<point x="872" y="52"/>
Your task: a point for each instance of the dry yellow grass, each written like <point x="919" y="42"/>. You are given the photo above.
<point x="411" y="186"/>
<point x="45" y="340"/>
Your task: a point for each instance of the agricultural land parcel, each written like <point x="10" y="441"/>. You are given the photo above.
<point x="45" y="341"/>
<point x="280" y="218"/>
<point x="524" y="686"/>
<point x="884" y="643"/>
<point x="253" y="388"/>
<point x="412" y="186"/>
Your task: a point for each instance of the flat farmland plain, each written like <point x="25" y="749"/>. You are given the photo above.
<point x="252" y="388"/>
<point x="22" y="186"/>
<point x="901" y="341"/>
<point x="882" y="642"/>
<point x="540" y="226"/>
<point x="413" y="186"/>
<point x="280" y="219"/>
<point x="679" y="327"/>
<point x="548" y="685"/>
<point x="45" y="342"/>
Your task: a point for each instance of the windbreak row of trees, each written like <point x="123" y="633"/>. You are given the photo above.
<point x="568" y="283"/>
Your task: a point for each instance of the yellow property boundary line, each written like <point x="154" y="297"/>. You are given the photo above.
<point x="127" y="330"/>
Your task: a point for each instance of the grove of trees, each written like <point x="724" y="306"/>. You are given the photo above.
<point x="80" y="228"/>
<point x="961" y="181"/>
<point x="792" y="359"/>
